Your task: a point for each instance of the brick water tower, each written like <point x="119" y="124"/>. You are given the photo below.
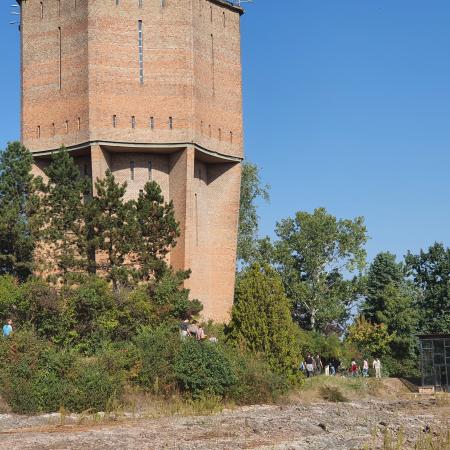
<point x="150" y="89"/>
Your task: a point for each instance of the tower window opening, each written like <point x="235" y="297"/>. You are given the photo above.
<point x="75" y="5"/>
<point x="133" y="122"/>
<point x="152" y="123"/>
<point x="38" y="131"/>
<point x="59" y="8"/>
<point x="140" y="3"/>
<point x="212" y="66"/>
<point x="150" y="170"/>
<point x="224" y="20"/>
<point x="231" y="136"/>
<point x="141" y="52"/>
<point x="66" y="125"/>
<point x="42" y="10"/>
<point x="53" y="129"/>
<point x="78" y="124"/>
<point x="132" y="165"/>
<point x="171" y="123"/>
<point x="220" y="134"/>
<point x="211" y="13"/>
<point x="117" y="2"/>
<point x="114" y="121"/>
<point x="209" y="130"/>
<point x="60" y="57"/>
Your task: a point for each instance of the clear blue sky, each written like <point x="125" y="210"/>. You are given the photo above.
<point x="347" y="106"/>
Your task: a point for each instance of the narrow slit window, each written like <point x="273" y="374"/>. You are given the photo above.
<point x="117" y="2"/>
<point x="42" y="10"/>
<point x="141" y="52"/>
<point x="140" y="3"/>
<point x="220" y="134"/>
<point x="53" y="129"/>
<point x="59" y="7"/>
<point x="114" y="121"/>
<point x="132" y="165"/>
<point x="75" y="5"/>
<point x="231" y="136"/>
<point x="224" y="20"/>
<point x="150" y="170"/>
<point x="66" y="126"/>
<point x="211" y="13"/>
<point x="212" y="66"/>
<point x="78" y="124"/>
<point x="209" y="130"/>
<point x="152" y="123"/>
<point x="171" y="123"/>
<point x="133" y="122"/>
<point x="60" y="57"/>
<point x="38" y="131"/>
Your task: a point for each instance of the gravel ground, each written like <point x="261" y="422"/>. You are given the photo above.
<point x="300" y="425"/>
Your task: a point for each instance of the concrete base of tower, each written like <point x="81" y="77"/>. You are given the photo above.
<point x="205" y="190"/>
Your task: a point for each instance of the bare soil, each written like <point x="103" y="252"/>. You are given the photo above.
<point x="299" y="424"/>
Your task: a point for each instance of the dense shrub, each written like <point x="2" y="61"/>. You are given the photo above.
<point x="255" y="381"/>
<point x="37" y="377"/>
<point x="203" y="368"/>
<point x="158" y="348"/>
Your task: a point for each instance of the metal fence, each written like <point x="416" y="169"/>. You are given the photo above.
<point x="435" y="360"/>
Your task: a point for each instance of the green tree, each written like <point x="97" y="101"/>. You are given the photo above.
<point x="116" y="228"/>
<point x="17" y="203"/>
<point x="157" y="231"/>
<point x="63" y="226"/>
<point x="430" y="271"/>
<point x="383" y="271"/>
<point x="261" y="319"/>
<point x="370" y="338"/>
<point x="251" y="190"/>
<point x="314" y="253"/>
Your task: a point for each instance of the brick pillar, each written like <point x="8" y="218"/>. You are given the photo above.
<point x="180" y="186"/>
<point x="100" y="162"/>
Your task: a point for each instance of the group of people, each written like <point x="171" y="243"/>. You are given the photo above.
<point x="356" y="369"/>
<point x="188" y="329"/>
<point x="314" y="366"/>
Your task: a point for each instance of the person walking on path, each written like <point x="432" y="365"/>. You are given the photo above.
<point x="309" y="365"/>
<point x="365" y="368"/>
<point x="7" y="328"/>
<point x="319" y="365"/>
<point x="377" y="367"/>
<point x="354" y="368"/>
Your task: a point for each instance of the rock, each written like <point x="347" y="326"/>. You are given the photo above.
<point x="323" y="426"/>
<point x="382" y="423"/>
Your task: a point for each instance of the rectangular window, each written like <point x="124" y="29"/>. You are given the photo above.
<point x="133" y="122"/>
<point x="212" y="67"/>
<point x="117" y="2"/>
<point x="60" y="57"/>
<point x="220" y="134"/>
<point x="224" y="20"/>
<point x="53" y="129"/>
<point x="140" y="2"/>
<point x="38" y="131"/>
<point x="42" y="10"/>
<point x="78" y="124"/>
<point x="141" y="52"/>
<point x="152" y="123"/>
<point x="67" y="126"/>
<point x="171" y="123"/>
<point x="150" y="170"/>
<point x="59" y="7"/>
<point x="114" y="121"/>
<point x="209" y="130"/>
<point x="132" y="165"/>
<point x="231" y="136"/>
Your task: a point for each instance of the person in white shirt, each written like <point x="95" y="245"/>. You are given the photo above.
<point x="377" y="367"/>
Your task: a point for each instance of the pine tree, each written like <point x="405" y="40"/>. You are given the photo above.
<point x="261" y="318"/>
<point x="116" y="229"/>
<point x="157" y="231"/>
<point x="63" y="230"/>
<point x="17" y="201"/>
<point x="383" y="271"/>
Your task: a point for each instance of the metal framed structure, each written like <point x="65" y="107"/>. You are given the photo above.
<point x="435" y="361"/>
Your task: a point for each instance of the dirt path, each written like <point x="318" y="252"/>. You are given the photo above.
<point x="295" y="426"/>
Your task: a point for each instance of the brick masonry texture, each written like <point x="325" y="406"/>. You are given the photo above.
<point x="178" y="121"/>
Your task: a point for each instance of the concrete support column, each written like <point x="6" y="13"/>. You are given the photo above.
<point x="100" y="161"/>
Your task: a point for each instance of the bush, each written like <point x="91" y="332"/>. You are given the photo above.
<point x="255" y="382"/>
<point x="332" y="394"/>
<point x="203" y="368"/>
<point x="36" y="377"/>
<point x="158" y="347"/>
